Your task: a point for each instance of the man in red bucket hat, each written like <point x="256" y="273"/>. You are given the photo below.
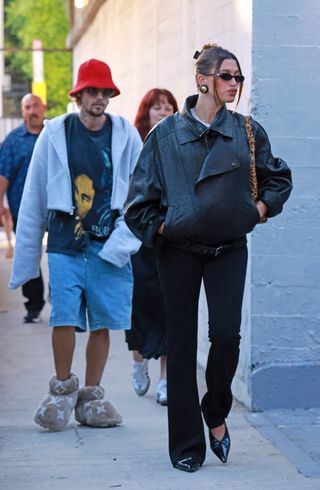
<point x="76" y="188"/>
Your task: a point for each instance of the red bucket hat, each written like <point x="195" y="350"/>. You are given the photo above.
<point x="94" y="73"/>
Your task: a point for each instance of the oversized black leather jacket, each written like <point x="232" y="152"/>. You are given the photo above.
<point x="196" y="180"/>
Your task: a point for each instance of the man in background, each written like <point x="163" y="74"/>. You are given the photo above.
<point x="76" y="187"/>
<point x="15" y="156"/>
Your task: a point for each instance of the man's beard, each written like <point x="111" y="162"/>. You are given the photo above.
<point x="94" y="114"/>
<point x="33" y="119"/>
<point x="34" y="122"/>
<point x="100" y="111"/>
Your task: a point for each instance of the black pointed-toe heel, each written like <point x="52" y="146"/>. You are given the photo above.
<point x="188" y="464"/>
<point x="220" y="448"/>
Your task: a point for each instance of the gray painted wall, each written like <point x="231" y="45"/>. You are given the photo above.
<point x="285" y="294"/>
<point x="279" y="44"/>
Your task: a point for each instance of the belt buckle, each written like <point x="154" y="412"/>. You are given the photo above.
<point x="218" y="251"/>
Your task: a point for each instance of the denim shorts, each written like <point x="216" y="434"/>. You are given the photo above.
<point x="88" y="291"/>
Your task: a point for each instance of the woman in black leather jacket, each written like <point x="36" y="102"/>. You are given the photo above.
<point x="190" y="197"/>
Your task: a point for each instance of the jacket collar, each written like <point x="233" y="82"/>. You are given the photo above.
<point x="189" y="129"/>
<point x="57" y="136"/>
<point x="119" y="140"/>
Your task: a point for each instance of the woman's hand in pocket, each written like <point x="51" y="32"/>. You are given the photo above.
<point x="160" y="229"/>
<point x="262" y="209"/>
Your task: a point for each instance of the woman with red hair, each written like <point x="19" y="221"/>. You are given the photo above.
<point x="156" y="104"/>
<point x="147" y="337"/>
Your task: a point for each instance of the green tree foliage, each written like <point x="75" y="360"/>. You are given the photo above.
<point x="45" y="20"/>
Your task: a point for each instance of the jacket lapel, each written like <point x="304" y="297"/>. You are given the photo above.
<point x="59" y="143"/>
<point x="218" y="161"/>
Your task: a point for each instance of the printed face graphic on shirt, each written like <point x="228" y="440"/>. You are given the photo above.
<point x="84" y="195"/>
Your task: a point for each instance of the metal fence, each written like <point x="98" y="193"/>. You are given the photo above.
<point x="7" y="125"/>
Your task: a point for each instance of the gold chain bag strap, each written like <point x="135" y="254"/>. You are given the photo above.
<point x="252" y="170"/>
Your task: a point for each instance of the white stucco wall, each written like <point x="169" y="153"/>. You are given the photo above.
<point x="150" y="43"/>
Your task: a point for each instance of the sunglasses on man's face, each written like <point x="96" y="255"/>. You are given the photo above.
<point x="228" y="77"/>
<point x="94" y="91"/>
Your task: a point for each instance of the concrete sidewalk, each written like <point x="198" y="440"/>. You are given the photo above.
<point x="130" y="457"/>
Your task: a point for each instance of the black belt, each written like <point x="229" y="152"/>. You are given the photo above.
<point x="209" y="251"/>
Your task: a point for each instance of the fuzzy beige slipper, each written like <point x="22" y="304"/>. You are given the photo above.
<point x="55" y="410"/>
<point x="92" y="410"/>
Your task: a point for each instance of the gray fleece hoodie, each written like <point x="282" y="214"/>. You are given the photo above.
<point x="48" y="187"/>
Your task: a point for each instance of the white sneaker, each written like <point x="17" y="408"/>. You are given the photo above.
<point x="140" y="377"/>
<point x="161" y="392"/>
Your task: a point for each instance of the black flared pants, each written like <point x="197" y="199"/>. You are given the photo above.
<point x="181" y="273"/>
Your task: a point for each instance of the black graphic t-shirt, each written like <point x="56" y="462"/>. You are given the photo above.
<point x="89" y="157"/>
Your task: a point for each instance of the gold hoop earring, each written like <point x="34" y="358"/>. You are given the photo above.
<point x="204" y="89"/>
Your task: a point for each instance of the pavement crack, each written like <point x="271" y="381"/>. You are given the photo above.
<point x="79" y="439"/>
